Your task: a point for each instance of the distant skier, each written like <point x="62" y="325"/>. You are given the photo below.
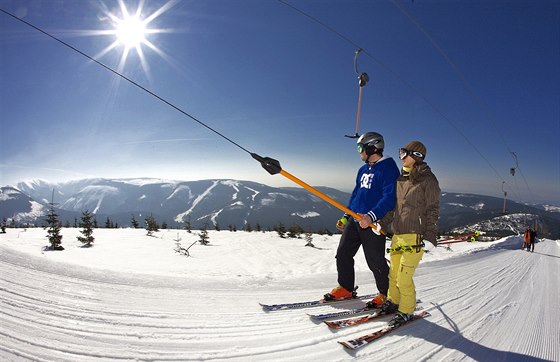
<point x="414" y="220"/>
<point x="532" y="237"/>
<point x="526" y="239"/>
<point x="372" y="198"/>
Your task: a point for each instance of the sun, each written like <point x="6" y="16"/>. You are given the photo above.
<point x="131" y="32"/>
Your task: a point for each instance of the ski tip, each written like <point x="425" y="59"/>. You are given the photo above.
<point x="348" y="345"/>
<point x="332" y="325"/>
<point x="267" y="307"/>
<point x="423" y="314"/>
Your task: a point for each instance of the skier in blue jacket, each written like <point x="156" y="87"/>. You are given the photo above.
<point x="374" y="195"/>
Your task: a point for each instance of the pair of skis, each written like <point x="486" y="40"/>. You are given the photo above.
<point x="347" y="322"/>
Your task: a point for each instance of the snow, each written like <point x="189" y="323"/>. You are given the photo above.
<point x="37" y="210"/>
<point x="307" y="214"/>
<point x="180" y="217"/>
<point x="551" y="208"/>
<point x="132" y="297"/>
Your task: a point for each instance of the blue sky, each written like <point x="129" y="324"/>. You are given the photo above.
<point x="473" y="80"/>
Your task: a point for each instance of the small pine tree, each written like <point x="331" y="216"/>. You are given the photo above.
<point x="188" y="225"/>
<point x="217" y="227"/>
<point x="53" y="232"/>
<point x="281" y="230"/>
<point x="248" y="228"/>
<point x="295" y="231"/>
<point x="309" y="239"/>
<point x="87" y="224"/>
<point x="151" y="225"/>
<point x="134" y="222"/>
<point x="203" y="235"/>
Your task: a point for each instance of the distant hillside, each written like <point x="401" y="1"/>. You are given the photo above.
<point x="228" y="202"/>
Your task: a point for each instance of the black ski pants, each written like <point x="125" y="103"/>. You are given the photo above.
<point x="374" y="250"/>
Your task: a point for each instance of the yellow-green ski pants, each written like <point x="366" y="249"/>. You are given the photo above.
<point x="403" y="265"/>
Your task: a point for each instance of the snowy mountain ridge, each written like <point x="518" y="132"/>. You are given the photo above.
<point x="234" y="202"/>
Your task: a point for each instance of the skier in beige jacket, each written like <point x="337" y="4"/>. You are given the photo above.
<point x="414" y="220"/>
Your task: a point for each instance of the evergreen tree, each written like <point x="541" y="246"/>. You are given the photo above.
<point x="87" y="224"/>
<point x="258" y="227"/>
<point x="295" y="231"/>
<point x="248" y="228"/>
<point x="217" y="226"/>
<point x="108" y="223"/>
<point x="54" y="227"/>
<point x="203" y="235"/>
<point x="309" y="239"/>
<point x="281" y="230"/>
<point x="188" y="225"/>
<point x="134" y="222"/>
<point x="151" y="225"/>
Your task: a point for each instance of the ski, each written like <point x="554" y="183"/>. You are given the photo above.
<point x="346" y="313"/>
<point x="313" y="303"/>
<point x="352" y="321"/>
<point x="368" y="338"/>
<point x="343" y="323"/>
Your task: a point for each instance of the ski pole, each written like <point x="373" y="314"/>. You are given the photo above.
<point x="273" y="167"/>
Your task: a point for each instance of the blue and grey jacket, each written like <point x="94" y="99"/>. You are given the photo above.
<point x="375" y="190"/>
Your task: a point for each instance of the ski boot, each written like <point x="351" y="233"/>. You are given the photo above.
<point x="399" y="319"/>
<point x="340" y="293"/>
<point x="388" y="307"/>
<point x="377" y="301"/>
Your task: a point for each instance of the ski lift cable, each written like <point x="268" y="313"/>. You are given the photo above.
<point x="401" y="79"/>
<point x="271" y="165"/>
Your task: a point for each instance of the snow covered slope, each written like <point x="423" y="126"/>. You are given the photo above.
<point x="132" y="297"/>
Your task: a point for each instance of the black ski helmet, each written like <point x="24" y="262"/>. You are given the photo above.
<point x="372" y="142"/>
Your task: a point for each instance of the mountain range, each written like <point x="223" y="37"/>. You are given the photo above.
<point x="239" y="203"/>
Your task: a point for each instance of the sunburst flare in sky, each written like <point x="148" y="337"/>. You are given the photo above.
<point x="131" y="32"/>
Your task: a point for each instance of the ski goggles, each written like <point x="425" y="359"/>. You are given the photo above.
<point x="403" y="152"/>
<point x="361" y="147"/>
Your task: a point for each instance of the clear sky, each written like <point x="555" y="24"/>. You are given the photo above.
<point x="473" y="80"/>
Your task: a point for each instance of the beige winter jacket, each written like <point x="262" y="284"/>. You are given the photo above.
<point x="417" y="209"/>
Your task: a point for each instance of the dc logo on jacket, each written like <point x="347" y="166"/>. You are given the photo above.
<point x="366" y="180"/>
